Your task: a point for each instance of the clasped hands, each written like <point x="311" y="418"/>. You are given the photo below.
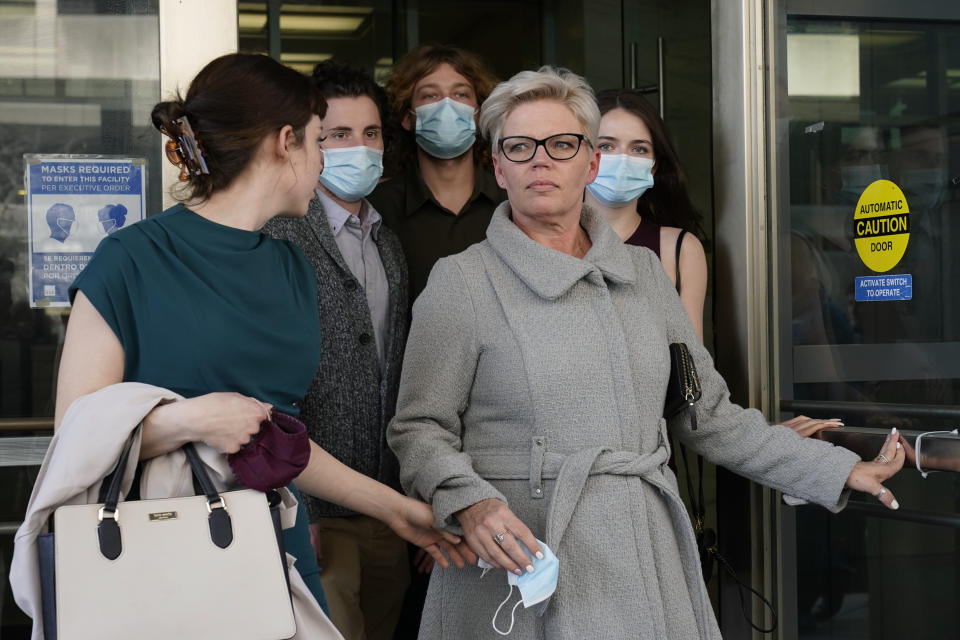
<point x="227" y="421"/>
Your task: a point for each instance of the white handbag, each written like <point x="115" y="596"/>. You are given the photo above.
<point x="205" y="566"/>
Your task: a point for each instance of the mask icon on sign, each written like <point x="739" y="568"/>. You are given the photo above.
<point x="61" y="218"/>
<point x="535" y="588"/>
<point x="112" y="217"/>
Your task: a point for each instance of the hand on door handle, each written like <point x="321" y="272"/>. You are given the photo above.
<point x="869" y="476"/>
<point x="811" y="427"/>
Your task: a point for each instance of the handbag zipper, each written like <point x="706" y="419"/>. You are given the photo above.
<point x="691" y="386"/>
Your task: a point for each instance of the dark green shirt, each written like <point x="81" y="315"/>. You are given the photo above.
<point x="427" y="231"/>
<point x="201" y="307"/>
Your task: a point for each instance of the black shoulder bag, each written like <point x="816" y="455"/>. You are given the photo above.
<point x="683" y="392"/>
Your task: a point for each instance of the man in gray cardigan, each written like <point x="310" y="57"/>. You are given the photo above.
<point x="362" y="296"/>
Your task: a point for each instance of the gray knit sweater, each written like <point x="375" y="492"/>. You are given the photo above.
<point x="349" y="403"/>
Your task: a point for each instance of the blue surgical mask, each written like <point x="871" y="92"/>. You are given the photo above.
<point x="621" y="179"/>
<point x="924" y="187"/>
<point x="535" y="588"/>
<point x="446" y="128"/>
<point x="351" y="174"/>
<point x="856" y="179"/>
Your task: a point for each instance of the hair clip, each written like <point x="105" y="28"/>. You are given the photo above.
<point x="183" y="150"/>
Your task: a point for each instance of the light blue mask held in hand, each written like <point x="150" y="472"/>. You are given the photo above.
<point x="351" y="173"/>
<point x="535" y="588"/>
<point x="621" y="179"/>
<point x="445" y="128"/>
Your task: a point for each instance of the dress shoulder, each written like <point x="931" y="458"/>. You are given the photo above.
<point x="300" y="271"/>
<point x="105" y="278"/>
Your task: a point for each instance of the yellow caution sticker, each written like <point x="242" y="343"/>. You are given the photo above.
<point x="881" y="226"/>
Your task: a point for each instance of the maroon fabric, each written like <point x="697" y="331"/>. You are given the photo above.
<point x="647" y="235"/>
<point x="275" y="456"/>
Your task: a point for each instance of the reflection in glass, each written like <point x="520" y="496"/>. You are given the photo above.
<point x="70" y="82"/>
<point x="867" y="101"/>
<point x="884" y="114"/>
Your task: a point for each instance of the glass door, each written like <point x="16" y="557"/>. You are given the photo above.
<point x="867" y="141"/>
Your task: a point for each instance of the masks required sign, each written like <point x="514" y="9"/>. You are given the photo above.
<point x="74" y="202"/>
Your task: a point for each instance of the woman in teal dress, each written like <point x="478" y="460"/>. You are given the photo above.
<point x="197" y="300"/>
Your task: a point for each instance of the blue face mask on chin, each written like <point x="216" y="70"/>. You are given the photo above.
<point x="351" y="174"/>
<point x="445" y="129"/>
<point x="621" y="179"/>
<point x="535" y="588"/>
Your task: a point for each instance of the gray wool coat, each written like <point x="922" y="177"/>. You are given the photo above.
<point x="350" y="400"/>
<point x="538" y="378"/>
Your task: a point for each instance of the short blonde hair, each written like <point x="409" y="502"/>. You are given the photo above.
<point x="547" y="83"/>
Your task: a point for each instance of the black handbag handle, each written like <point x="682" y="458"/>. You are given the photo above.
<point x="682" y="233"/>
<point x="108" y="529"/>
<point x="707" y="539"/>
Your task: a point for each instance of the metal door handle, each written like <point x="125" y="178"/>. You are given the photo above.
<point x="649" y="88"/>
<point x="663" y="113"/>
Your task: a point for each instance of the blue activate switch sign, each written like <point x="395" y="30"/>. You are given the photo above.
<point x="884" y="288"/>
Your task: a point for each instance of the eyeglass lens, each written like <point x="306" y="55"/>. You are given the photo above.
<point x="561" y="146"/>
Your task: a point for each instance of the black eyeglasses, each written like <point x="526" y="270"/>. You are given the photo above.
<point x="560" y="146"/>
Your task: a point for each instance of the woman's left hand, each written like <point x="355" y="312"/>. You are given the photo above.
<point x="811" y="427"/>
<point x="869" y="476"/>
<point x="413" y="522"/>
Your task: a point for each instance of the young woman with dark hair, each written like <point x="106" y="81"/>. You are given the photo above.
<point x="199" y="301"/>
<point x="641" y="190"/>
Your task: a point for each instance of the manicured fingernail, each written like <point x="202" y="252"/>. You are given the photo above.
<point x="529" y="568"/>
<point x="893" y="431"/>
<point x="539" y="555"/>
<point x="898" y="445"/>
<point x="895" y="505"/>
<point x="518" y="572"/>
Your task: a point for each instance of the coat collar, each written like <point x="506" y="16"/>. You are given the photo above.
<point x="551" y="273"/>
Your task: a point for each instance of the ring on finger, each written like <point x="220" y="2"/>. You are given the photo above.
<point x="882" y="459"/>
<point x="879" y="494"/>
<point x="499" y="538"/>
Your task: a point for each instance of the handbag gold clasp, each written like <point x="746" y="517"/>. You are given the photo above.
<point x="216" y="504"/>
<point x="114" y="514"/>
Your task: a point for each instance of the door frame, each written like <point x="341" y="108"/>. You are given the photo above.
<point x="751" y="176"/>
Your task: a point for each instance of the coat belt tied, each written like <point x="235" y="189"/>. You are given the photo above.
<point x="571" y="472"/>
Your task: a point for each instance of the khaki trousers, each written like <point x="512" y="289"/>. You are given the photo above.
<point x="365" y="573"/>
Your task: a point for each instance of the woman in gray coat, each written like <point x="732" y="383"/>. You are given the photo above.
<point x="531" y="400"/>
